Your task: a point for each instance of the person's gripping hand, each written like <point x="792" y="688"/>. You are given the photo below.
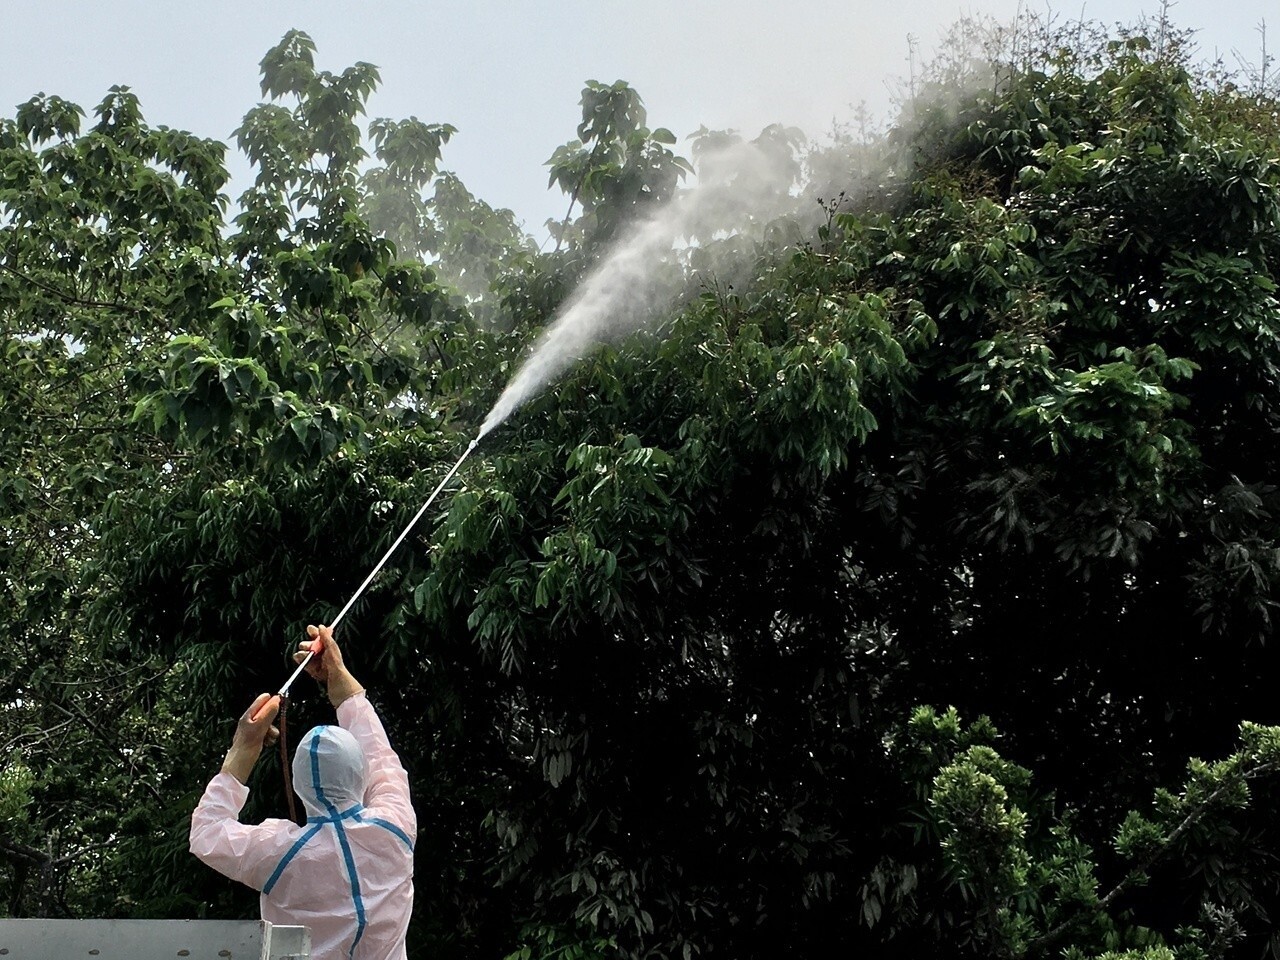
<point x="253" y="731"/>
<point x="327" y="666"/>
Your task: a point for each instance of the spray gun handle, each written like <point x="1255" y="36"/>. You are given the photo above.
<point x="314" y="649"/>
<point x="266" y="706"/>
<point x="317" y="647"/>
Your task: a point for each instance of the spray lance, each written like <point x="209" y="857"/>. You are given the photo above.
<point x="548" y="358"/>
<point x="282" y="695"/>
<point x="315" y="647"/>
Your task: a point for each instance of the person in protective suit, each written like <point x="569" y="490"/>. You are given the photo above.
<point x="347" y="874"/>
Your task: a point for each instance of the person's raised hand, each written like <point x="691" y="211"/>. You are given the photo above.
<point x="328" y="655"/>
<point x="254" y="727"/>
<point x="327" y="666"/>
<point x="253" y="730"/>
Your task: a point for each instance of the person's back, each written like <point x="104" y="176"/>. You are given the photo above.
<point x="347" y="874"/>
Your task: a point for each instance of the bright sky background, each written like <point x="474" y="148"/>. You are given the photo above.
<point x="509" y="74"/>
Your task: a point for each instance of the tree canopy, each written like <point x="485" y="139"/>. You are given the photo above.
<point x="875" y="597"/>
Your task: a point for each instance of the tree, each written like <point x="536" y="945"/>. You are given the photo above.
<point x="106" y="235"/>
<point x="617" y="168"/>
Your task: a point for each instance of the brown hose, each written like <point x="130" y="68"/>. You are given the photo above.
<point x="284" y="759"/>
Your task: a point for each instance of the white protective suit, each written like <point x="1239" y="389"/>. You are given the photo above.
<point x="348" y="874"/>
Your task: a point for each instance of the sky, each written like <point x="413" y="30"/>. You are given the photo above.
<point x="509" y="74"/>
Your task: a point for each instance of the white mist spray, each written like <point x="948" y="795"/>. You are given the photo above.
<point x="740" y="187"/>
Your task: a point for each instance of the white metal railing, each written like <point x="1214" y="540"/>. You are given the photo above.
<point x="152" y="940"/>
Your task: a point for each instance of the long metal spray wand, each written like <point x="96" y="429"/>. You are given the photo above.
<point x="284" y="691"/>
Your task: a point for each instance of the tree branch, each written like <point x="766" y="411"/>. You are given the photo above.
<point x="69" y="298"/>
<point x="1130" y="877"/>
<point x="21" y="852"/>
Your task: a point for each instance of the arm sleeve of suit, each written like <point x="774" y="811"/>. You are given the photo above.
<point x="387" y="790"/>
<point x="237" y="850"/>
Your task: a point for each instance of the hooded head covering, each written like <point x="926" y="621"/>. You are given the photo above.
<point x="329" y="771"/>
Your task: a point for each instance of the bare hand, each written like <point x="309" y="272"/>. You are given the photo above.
<point x="254" y="727"/>
<point x="253" y="730"/>
<point x="327" y="666"/>
<point x="328" y="656"/>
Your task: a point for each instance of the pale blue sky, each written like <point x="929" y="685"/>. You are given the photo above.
<point x="509" y="74"/>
